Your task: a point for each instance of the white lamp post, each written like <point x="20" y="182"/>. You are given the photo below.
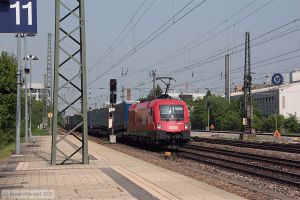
<point x="30" y="57"/>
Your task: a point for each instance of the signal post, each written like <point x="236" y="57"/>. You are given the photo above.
<point x="112" y="100"/>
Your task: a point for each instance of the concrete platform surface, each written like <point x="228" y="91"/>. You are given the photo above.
<point x="110" y="175"/>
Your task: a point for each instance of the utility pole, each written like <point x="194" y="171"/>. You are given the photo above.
<point x="208" y="105"/>
<point x="45" y="102"/>
<point x="227" y="77"/>
<point x="30" y="57"/>
<point x="128" y="94"/>
<point x="49" y="79"/>
<point x="26" y="89"/>
<point x="248" y="109"/>
<point x="18" y="114"/>
<point x="123" y="93"/>
<point x="153" y="74"/>
<point x="208" y="116"/>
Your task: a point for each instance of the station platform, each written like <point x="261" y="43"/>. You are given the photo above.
<point x="109" y="175"/>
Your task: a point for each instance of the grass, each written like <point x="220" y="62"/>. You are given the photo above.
<point x="7" y="151"/>
<point x="39" y="132"/>
<point x="293" y="134"/>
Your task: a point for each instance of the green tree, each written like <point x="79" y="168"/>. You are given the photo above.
<point x="257" y="123"/>
<point x="230" y="120"/>
<point x="291" y="124"/>
<point x="269" y="123"/>
<point x="37" y="113"/>
<point x="158" y="92"/>
<point x="224" y="115"/>
<point x="8" y="91"/>
<point x="228" y="116"/>
<point x="198" y="114"/>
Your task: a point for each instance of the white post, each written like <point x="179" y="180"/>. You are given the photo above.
<point x="30" y="99"/>
<point x="18" y="114"/>
<point x="208" y="118"/>
<point x="26" y="95"/>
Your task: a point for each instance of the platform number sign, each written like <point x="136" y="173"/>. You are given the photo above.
<point x="18" y="16"/>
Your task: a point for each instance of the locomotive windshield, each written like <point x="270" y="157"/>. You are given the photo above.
<point x="171" y="112"/>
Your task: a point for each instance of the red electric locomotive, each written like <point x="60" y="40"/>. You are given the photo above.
<point x="159" y="120"/>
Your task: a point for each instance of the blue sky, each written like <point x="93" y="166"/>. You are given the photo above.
<point x="106" y="18"/>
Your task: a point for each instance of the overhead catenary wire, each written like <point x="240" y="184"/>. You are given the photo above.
<point x="181" y="50"/>
<point x="151" y="37"/>
<point x="122" y="31"/>
<point x="234" y="24"/>
<point x="214" y="75"/>
<point x="118" y="39"/>
<point x="256" y="44"/>
<point x="207" y="60"/>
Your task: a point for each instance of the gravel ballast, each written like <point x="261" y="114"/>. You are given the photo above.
<point x="245" y="185"/>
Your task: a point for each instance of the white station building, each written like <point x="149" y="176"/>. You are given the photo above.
<point x="182" y="95"/>
<point x="37" y="91"/>
<point x="280" y="97"/>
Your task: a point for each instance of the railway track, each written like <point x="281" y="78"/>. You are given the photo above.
<point x="244" y="163"/>
<point x="238" y="133"/>
<point x="254" y="157"/>
<point x="289" y="148"/>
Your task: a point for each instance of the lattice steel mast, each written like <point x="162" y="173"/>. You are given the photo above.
<point x="49" y="78"/>
<point x="248" y="110"/>
<point x="76" y="57"/>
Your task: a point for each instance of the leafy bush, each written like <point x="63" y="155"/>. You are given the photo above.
<point x="228" y="116"/>
<point x="8" y="91"/>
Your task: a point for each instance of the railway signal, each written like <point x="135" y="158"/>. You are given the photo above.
<point x="113" y="89"/>
<point x="113" y="85"/>
<point x="113" y="98"/>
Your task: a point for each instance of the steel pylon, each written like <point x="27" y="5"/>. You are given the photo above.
<point x="69" y="75"/>
<point x="248" y="109"/>
<point x="49" y="80"/>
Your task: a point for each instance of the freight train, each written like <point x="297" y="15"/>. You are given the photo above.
<point x="159" y="120"/>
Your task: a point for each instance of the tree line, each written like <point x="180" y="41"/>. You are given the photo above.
<point x="8" y="102"/>
<point x="227" y="116"/>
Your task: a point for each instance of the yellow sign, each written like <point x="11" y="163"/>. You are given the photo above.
<point x="50" y="115"/>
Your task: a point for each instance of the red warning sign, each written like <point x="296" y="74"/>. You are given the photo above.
<point x="212" y="126"/>
<point x="277" y="134"/>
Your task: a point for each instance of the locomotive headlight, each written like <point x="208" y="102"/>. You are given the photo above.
<point x="158" y="126"/>
<point x="186" y="126"/>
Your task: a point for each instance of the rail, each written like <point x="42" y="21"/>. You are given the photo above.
<point x="240" y="165"/>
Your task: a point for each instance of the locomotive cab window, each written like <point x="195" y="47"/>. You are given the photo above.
<point x="171" y="113"/>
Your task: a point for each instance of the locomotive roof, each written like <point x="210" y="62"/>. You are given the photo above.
<point x="156" y="101"/>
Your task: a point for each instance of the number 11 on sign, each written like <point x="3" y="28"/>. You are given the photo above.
<point x="28" y="6"/>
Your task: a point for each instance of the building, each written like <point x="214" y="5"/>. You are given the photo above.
<point x="283" y="99"/>
<point x="185" y="96"/>
<point x="37" y="91"/>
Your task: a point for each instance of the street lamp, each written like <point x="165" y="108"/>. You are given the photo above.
<point x="26" y="71"/>
<point x="30" y="57"/>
